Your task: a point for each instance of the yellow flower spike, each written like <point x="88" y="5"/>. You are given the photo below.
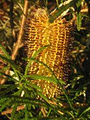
<point x="40" y="32"/>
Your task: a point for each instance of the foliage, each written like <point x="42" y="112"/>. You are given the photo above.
<point x="74" y="103"/>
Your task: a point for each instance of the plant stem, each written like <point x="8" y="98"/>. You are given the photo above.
<point x="18" y="44"/>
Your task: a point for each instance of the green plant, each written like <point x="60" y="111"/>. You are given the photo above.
<point x="18" y="97"/>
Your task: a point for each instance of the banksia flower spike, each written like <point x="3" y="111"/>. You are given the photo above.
<point x="40" y="32"/>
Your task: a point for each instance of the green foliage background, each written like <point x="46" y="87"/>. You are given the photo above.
<point x="17" y="90"/>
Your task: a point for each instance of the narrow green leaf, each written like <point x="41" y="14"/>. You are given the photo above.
<point x="42" y="96"/>
<point x="71" y="114"/>
<point x="4" y="51"/>
<point x="7" y="90"/>
<point x="12" y="64"/>
<point x="33" y="56"/>
<point x="61" y="10"/>
<point x="33" y="86"/>
<point x="8" y="76"/>
<point x="39" y="50"/>
<point x="53" y="75"/>
<point x="40" y="77"/>
<point x="57" y="3"/>
<point x="13" y="112"/>
<point x="22" y="2"/>
<point x="78" y="4"/>
<point x="26" y="113"/>
<point x="18" y="98"/>
<point x="9" y="61"/>
<point x="58" y="82"/>
<point x="85" y="111"/>
<point x="46" y="3"/>
<point x="61" y="1"/>
<point x="33" y="59"/>
<point x="49" y="112"/>
<point x="79" y="21"/>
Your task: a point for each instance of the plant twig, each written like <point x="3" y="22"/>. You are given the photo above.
<point x="8" y="111"/>
<point x="18" y="44"/>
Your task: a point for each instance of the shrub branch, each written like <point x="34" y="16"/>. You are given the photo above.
<point x="18" y="44"/>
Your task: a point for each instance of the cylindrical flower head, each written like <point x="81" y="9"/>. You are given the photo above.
<point x="40" y="32"/>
